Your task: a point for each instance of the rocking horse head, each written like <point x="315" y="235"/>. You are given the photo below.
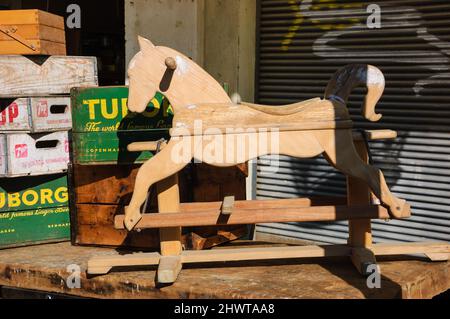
<point x="173" y="74"/>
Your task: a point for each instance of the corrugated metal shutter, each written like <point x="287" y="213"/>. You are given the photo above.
<point x="302" y="43"/>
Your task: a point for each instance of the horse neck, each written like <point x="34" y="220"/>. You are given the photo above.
<point x="195" y="87"/>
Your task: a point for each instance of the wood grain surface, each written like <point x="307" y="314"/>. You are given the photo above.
<point x="45" y="268"/>
<point x="20" y="76"/>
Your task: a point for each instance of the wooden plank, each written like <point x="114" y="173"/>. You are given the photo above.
<point x="254" y="216"/>
<point x="94" y="226"/>
<point x="169" y="202"/>
<point x="37" y="32"/>
<point x="438" y="257"/>
<point x="373" y="135"/>
<point x="169" y="268"/>
<point x="266" y="204"/>
<point x="45" y="268"/>
<point x="265" y="253"/>
<point x="57" y="75"/>
<point x="42" y="47"/>
<point x="388" y="249"/>
<point x="268" y="253"/>
<point x="102" y="265"/>
<point x="31" y="16"/>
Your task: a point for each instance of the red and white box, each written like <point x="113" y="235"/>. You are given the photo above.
<point x="33" y="154"/>
<point x="35" y="114"/>
<point x="14" y="115"/>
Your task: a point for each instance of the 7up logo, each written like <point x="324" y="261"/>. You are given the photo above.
<point x="21" y="151"/>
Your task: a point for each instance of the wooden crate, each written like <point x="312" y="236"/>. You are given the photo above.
<point x="33" y="210"/>
<point x="33" y="154"/>
<point x="204" y="183"/>
<point x="93" y="208"/>
<point x="97" y="195"/>
<point x="31" y="32"/>
<point x="42" y="76"/>
<point x="102" y="126"/>
<point x="35" y="115"/>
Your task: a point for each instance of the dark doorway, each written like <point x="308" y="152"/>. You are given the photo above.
<point x="102" y="32"/>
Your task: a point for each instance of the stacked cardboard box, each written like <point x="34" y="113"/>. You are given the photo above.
<point x="35" y="117"/>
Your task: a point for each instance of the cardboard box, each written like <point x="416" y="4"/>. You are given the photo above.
<point x="103" y="128"/>
<point x="35" y="115"/>
<point x="34" y="210"/>
<point x="31" y="32"/>
<point x="33" y="154"/>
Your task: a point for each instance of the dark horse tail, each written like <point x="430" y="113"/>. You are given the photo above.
<point x="346" y="79"/>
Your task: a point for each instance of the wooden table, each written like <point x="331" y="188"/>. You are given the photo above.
<point x="44" y="268"/>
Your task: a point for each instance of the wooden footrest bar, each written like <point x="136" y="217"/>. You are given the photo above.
<point x="373" y="135"/>
<point x="195" y="215"/>
<point x="102" y="265"/>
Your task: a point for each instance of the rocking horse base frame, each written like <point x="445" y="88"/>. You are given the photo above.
<point x="170" y="266"/>
<point x="359" y="212"/>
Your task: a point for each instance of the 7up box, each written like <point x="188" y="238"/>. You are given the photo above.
<point x="33" y="210"/>
<point x="35" y="114"/>
<point x="33" y="154"/>
<point x="103" y="127"/>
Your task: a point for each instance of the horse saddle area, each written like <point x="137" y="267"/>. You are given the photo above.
<point x="308" y="115"/>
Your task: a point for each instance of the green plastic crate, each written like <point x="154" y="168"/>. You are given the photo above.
<point x="103" y="127"/>
<point x="34" y="210"/>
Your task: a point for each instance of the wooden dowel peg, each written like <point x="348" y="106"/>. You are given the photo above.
<point x="228" y="205"/>
<point x="145" y="146"/>
<point x="171" y="63"/>
<point x="373" y="135"/>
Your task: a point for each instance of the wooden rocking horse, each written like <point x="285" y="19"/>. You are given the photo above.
<point x="206" y="119"/>
<point x="306" y="129"/>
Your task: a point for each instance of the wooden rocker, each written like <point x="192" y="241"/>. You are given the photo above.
<point x="208" y="127"/>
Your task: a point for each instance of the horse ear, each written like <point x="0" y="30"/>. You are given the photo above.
<point x="145" y="43"/>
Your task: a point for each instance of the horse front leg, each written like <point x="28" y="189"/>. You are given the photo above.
<point x="162" y="165"/>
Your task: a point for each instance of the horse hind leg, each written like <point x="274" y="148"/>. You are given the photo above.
<point x="159" y="167"/>
<point x="341" y="153"/>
